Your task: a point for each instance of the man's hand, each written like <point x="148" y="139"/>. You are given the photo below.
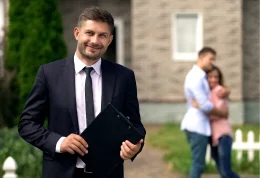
<point x="219" y="112"/>
<point x="225" y="113"/>
<point x="74" y="143"/>
<point x="194" y="104"/>
<point x="223" y="93"/>
<point x="128" y="150"/>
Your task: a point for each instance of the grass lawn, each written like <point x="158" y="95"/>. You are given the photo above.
<point x="177" y="152"/>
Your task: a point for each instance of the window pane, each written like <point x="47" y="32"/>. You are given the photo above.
<point x="186" y="26"/>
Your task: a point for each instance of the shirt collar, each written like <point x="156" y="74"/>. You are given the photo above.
<point x="79" y="65"/>
<point x="199" y="70"/>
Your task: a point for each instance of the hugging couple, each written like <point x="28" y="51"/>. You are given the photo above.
<point x="206" y="119"/>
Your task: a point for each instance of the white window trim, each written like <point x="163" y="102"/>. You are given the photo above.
<point x="120" y="36"/>
<point x="187" y="56"/>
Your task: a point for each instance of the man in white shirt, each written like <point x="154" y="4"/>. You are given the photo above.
<point x="71" y="92"/>
<point x="195" y="122"/>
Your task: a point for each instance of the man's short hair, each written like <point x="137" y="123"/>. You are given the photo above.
<point x="205" y="50"/>
<point x="97" y="14"/>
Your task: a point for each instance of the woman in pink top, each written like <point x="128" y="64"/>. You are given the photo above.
<point x="221" y="142"/>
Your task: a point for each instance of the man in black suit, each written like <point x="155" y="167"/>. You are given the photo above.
<point x="71" y="92"/>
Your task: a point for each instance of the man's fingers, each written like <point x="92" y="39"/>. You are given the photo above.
<point x="81" y="140"/>
<point x="122" y="156"/>
<point x="80" y="146"/>
<point x="194" y="103"/>
<point x="132" y="146"/>
<point x="76" y="149"/>
<point x="124" y="153"/>
<point x="221" y="93"/>
<point x="75" y="143"/>
<point x="141" y="141"/>
<point x="70" y="151"/>
<point x="127" y="149"/>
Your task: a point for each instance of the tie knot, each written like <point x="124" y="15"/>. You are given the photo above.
<point x="88" y="70"/>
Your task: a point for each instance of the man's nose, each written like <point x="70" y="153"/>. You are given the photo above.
<point x="94" y="39"/>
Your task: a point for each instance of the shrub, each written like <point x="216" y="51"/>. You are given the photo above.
<point x="43" y="43"/>
<point x="7" y="99"/>
<point x="27" y="157"/>
<point x="35" y="37"/>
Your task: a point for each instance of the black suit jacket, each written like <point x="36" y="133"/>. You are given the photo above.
<point x="53" y="97"/>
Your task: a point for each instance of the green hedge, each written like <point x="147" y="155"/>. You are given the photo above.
<point x="43" y="43"/>
<point x="7" y="97"/>
<point x="27" y="157"/>
<point x="15" y="34"/>
<point x="35" y="37"/>
<point x="12" y="48"/>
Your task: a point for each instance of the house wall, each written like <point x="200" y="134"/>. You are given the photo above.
<point x="228" y="26"/>
<point x="160" y="78"/>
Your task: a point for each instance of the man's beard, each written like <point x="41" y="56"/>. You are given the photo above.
<point x="209" y="68"/>
<point x="86" y="56"/>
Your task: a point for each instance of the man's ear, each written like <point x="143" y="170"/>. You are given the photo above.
<point x="76" y="32"/>
<point x="110" y="39"/>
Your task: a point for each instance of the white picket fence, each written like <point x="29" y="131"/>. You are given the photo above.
<point x="239" y="146"/>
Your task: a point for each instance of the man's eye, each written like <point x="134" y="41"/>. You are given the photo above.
<point x="89" y="33"/>
<point x="103" y="35"/>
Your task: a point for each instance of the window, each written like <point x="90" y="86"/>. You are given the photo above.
<point x="187" y="35"/>
<point x="115" y="51"/>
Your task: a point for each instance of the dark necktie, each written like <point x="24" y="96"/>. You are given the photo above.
<point x="90" y="115"/>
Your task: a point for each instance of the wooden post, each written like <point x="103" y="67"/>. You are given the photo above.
<point x="250" y="142"/>
<point x="208" y="157"/>
<point x="238" y="141"/>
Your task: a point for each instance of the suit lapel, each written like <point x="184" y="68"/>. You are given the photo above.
<point x="108" y="82"/>
<point x="69" y="82"/>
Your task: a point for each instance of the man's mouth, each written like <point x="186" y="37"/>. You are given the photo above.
<point x="93" y="47"/>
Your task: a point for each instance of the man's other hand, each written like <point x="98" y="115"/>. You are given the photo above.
<point x="74" y="143"/>
<point x="128" y="150"/>
<point x="194" y="104"/>
<point x="223" y="92"/>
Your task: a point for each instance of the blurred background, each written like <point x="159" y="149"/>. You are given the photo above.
<point x="159" y="40"/>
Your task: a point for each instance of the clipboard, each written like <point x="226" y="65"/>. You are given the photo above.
<point x="104" y="137"/>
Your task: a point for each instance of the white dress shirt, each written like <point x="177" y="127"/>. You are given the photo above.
<point x="80" y="77"/>
<point x="196" y="87"/>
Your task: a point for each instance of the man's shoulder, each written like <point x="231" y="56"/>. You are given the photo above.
<point x="194" y="79"/>
<point x="55" y="64"/>
<point x="117" y="67"/>
<point x="194" y="76"/>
